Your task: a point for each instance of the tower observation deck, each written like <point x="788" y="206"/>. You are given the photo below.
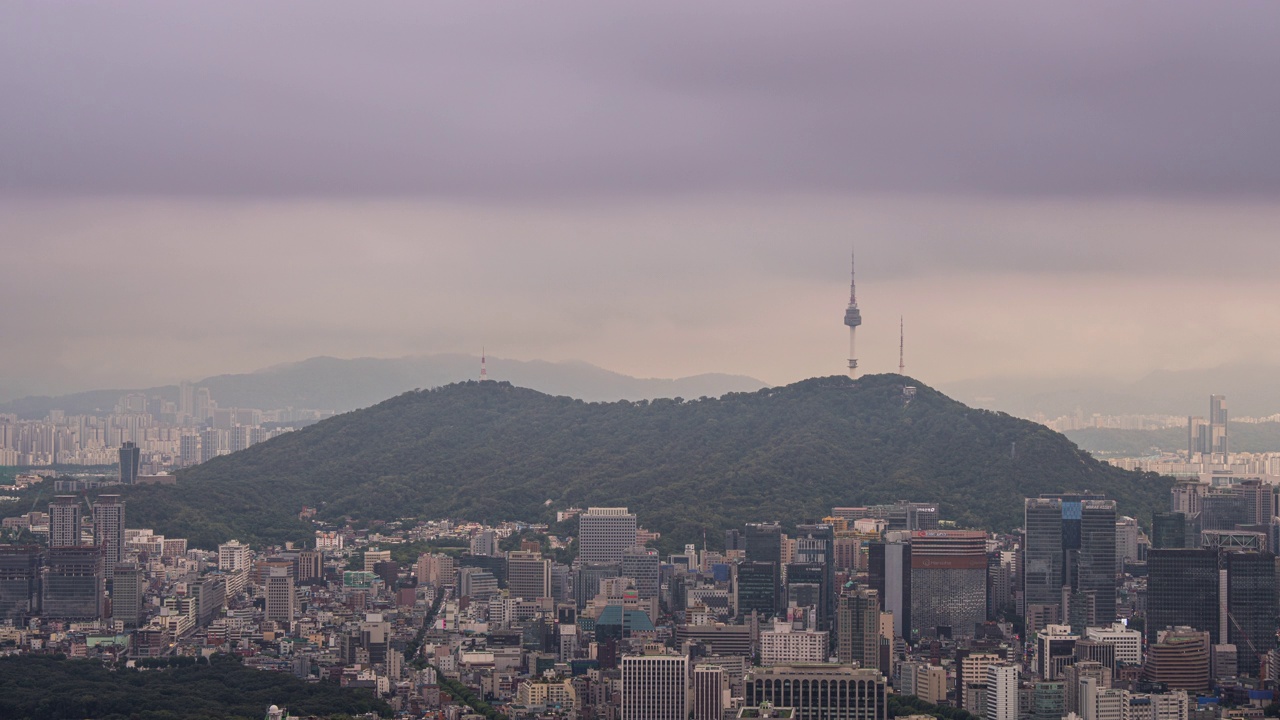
<point x="852" y="318"/>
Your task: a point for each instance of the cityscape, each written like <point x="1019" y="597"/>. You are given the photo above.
<point x="467" y="361"/>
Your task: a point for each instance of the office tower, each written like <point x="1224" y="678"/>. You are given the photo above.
<point x="820" y="692"/>
<point x="484" y="542"/>
<point x="814" y="547"/>
<point x="477" y="583"/>
<point x="528" y="575"/>
<point x="203" y="405"/>
<point x="128" y="587"/>
<point x="1218" y="439"/>
<point x="735" y="540"/>
<point x="1055" y="650"/>
<point x="1180" y="659"/>
<point x="1197" y="437"/>
<point x="1251" y="606"/>
<point x="889" y="574"/>
<point x="281" y="597"/>
<point x="64" y="522"/>
<point x="948" y="581"/>
<point x="130" y="460"/>
<point x="642" y="565"/>
<point x="971" y="677"/>
<point x="1182" y="590"/>
<point x="1049" y="701"/>
<point x="764" y="542"/>
<point x="655" y="686"/>
<point x="784" y="645"/>
<point x="310" y="565"/>
<point x="1224" y="509"/>
<point x="73" y="583"/>
<point x="373" y="556"/>
<point x="19" y="582"/>
<point x="210" y="594"/>
<point x="756" y="588"/>
<point x="587" y="577"/>
<point x="852" y="318"/>
<point x="1126" y="541"/>
<point x="605" y="533"/>
<point x="808" y="585"/>
<point x="1002" y="693"/>
<point x="233" y="556"/>
<point x="858" y="628"/>
<point x="1168" y="530"/>
<point x="710" y="686"/>
<point x="108" y="530"/>
<point x="1127" y="643"/>
<point x="931" y="684"/>
<point x="1070" y="550"/>
<point x="1075" y="677"/>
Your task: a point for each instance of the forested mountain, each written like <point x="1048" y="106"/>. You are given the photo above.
<point x="339" y="384"/>
<point x="491" y="451"/>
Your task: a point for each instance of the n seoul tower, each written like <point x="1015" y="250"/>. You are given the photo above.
<point x="852" y="318"/>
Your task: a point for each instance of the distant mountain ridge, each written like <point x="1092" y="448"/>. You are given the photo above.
<point x="492" y="451"/>
<point x="327" y="383"/>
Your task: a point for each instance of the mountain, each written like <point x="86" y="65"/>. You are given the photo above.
<point x="493" y="451"/>
<point x="1250" y="390"/>
<point x="325" y="383"/>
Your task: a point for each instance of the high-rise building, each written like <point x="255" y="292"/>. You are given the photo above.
<point x="1251" y="606"/>
<point x="281" y="597"/>
<point x="889" y="574"/>
<point x="820" y="692"/>
<point x="710" y="688"/>
<point x="73" y="583"/>
<point x="1218" y="438"/>
<point x="1002" y="693"/>
<point x="1055" y="650"/>
<point x="1070" y="552"/>
<point x="484" y="542"/>
<point x="1180" y="659"/>
<point x="128" y="587"/>
<point x="233" y="556"/>
<point x="1224" y="508"/>
<point x="1168" y="530"/>
<point x="1182" y="590"/>
<point x="785" y="645"/>
<point x="814" y="548"/>
<point x="764" y="542"/>
<point x="130" y="461"/>
<point x="19" y="582"/>
<point x="642" y="565"/>
<point x="948" y="581"/>
<point x="858" y="628"/>
<point x="64" y="522"/>
<point x="755" y="586"/>
<point x="310" y="565"/>
<point x="189" y="450"/>
<point x="605" y="533"/>
<point x="528" y="575"/>
<point x="971" y="677"/>
<point x="655" y="686"/>
<point x="1048" y="701"/>
<point x="108" y="530"/>
<point x="1127" y="643"/>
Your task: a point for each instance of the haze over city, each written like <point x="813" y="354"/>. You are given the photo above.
<point x="1083" y="189"/>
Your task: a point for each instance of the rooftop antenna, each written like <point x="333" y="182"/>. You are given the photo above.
<point x="484" y="372"/>
<point x="901" y="366"/>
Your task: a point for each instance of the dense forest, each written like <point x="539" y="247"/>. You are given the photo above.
<point x="50" y="688"/>
<point x="491" y="451"/>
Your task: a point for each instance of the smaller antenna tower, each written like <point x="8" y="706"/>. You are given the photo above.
<point x="484" y="372"/>
<point x="901" y="366"/>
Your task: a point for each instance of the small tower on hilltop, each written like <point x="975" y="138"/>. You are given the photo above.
<point x="902" y="367"/>
<point x="484" y="371"/>
<point x="852" y="318"/>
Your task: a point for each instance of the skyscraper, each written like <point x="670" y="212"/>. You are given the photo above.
<point x="127" y="588"/>
<point x="1251" y="606"/>
<point x="281" y="597"/>
<point x="655" y="686"/>
<point x="605" y="533"/>
<point x="858" y="628"/>
<point x="108" y="530"/>
<point x="853" y="318"/>
<point x="130" y="460"/>
<point x="642" y="565"/>
<point x="1182" y="590"/>
<point x="889" y="574"/>
<point x="710" y="685"/>
<point x="528" y="575"/>
<point x="755" y="587"/>
<point x="1002" y="693"/>
<point x="1070" y="551"/>
<point x="948" y="580"/>
<point x="64" y="522"/>
<point x="1218" y="438"/>
<point x="73" y="583"/>
<point x="19" y="582"/>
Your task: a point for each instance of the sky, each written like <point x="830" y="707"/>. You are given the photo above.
<point x="659" y="188"/>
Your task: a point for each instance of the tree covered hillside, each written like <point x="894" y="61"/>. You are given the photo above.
<point x="491" y="451"/>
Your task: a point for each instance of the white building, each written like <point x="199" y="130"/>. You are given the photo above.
<point x="233" y="556"/>
<point x="604" y="534"/>
<point x="784" y="645"/>
<point x="1002" y="693"/>
<point x="1128" y="642"/>
<point x="655" y="686"/>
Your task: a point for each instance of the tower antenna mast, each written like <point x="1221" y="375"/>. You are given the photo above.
<point x="852" y="317"/>
<point x="484" y="372"/>
<point x="901" y="366"/>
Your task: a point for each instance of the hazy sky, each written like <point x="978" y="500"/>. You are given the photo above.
<point x="660" y="188"/>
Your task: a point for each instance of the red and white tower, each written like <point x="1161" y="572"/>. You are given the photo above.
<point x="852" y="318"/>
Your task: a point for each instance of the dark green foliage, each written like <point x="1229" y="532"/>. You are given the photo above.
<point x="466" y="696"/>
<point x="911" y="705"/>
<point x="43" y="687"/>
<point x="491" y="452"/>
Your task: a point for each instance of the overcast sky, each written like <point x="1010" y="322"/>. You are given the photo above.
<point x="660" y="188"/>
